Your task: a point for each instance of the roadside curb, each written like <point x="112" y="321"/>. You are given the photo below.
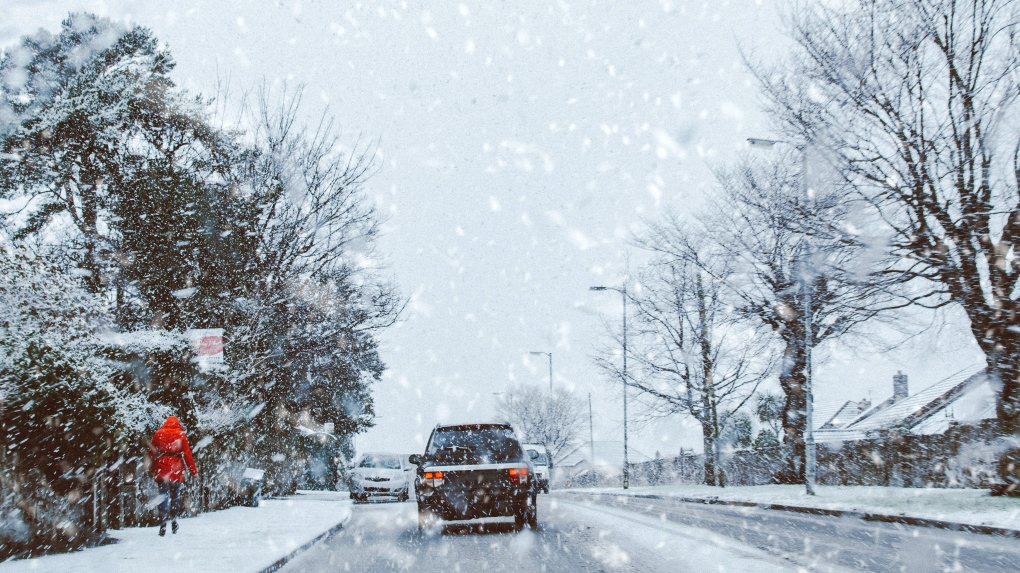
<point x="279" y="563"/>
<point x="865" y="516"/>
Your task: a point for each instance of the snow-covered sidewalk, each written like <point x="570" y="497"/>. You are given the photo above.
<point x="239" y="539"/>
<point x="963" y="506"/>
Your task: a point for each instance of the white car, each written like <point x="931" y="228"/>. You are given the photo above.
<point x="379" y="475"/>
<point x="543" y="464"/>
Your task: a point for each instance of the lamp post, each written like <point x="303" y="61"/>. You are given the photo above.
<point x="549" y="354"/>
<point x="807" y="284"/>
<point x="626" y="464"/>
<point x="591" y="434"/>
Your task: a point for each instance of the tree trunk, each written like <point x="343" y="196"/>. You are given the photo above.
<point x="713" y="410"/>
<point x="90" y="230"/>
<point x="791" y="379"/>
<point x="709" y="443"/>
<point x="709" y="408"/>
<point x="1001" y="346"/>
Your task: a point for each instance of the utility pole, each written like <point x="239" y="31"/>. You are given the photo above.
<point x="626" y="463"/>
<point x="591" y="433"/>
<point x="808" y="280"/>
<point x="550" y="355"/>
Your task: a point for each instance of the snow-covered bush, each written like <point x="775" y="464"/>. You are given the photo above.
<point x="59" y="413"/>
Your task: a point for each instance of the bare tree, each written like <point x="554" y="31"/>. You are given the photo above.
<point x="919" y="102"/>
<point x="313" y="226"/>
<point x="691" y="354"/>
<point x="309" y="188"/>
<point x="761" y="225"/>
<point x="541" y="417"/>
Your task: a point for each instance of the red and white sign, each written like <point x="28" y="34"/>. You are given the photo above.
<point x="207" y="347"/>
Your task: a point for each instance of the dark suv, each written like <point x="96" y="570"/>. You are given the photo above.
<point x="472" y="471"/>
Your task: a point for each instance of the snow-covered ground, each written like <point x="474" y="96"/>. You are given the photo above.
<point x="239" y="540"/>
<point x="969" y="506"/>
<point x="573" y="535"/>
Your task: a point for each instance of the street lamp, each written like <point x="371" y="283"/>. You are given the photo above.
<point x="626" y="464"/>
<point x="807" y="284"/>
<point x="549" y="354"/>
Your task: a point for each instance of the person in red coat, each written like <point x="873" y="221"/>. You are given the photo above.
<point x="171" y="458"/>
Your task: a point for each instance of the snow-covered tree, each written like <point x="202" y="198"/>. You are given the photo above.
<point x="303" y="319"/>
<point x="117" y="174"/>
<point x="90" y="113"/>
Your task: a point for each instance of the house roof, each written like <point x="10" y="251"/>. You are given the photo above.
<point x="609" y="454"/>
<point x="967" y="389"/>
<point x="846" y="414"/>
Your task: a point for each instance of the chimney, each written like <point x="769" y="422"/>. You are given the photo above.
<point x="899" y="382"/>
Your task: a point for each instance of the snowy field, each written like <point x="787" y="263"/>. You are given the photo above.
<point x="239" y="540"/>
<point x="969" y="506"/>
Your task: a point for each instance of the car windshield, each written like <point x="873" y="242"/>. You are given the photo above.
<point x="387" y="462"/>
<point x="541" y="460"/>
<point x="474" y="445"/>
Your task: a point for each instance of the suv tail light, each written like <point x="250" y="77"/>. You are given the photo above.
<point x="434" y="479"/>
<point x="518" y="475"/>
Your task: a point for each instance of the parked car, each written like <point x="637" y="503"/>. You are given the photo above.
<point x="379" y="475"/>
<point x="542" y="461"/>
<point x="473" y="471"/>
<point x="409" y="469"/>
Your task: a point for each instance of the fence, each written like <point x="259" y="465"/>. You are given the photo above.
<point x="76" y="511"/>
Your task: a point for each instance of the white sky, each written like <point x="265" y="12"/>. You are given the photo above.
<point x="520" y="144"/>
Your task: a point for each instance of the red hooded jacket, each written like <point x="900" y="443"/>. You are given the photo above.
<point x="169" y="451"/>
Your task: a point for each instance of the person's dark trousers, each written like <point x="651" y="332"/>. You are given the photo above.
<point x="171" y="492"/>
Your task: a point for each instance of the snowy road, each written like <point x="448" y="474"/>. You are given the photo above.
<point x="571" y="537"/>
<point x="610" y="534"/>
<point x="823" y="543"/>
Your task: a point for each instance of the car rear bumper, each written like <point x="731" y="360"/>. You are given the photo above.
<point x="459" y="509"/>
<point x="379" y="490"/>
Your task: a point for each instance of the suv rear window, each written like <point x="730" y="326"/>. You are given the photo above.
<point x="474" y="445"/>
<point x="540" y="460"/>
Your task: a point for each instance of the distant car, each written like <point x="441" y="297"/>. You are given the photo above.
<point x="543" y="465"/>
<point x="379" y="475"/>
<point x="474" y="471"/>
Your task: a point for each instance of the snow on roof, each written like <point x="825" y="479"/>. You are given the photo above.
<point x="846" y="414"/>
<point x="976" y="403"/>
<point x="822" y="414"/>
<point x="915" y="406"/>
<point x="838" y="435"/>
<point x="968" y="388"/>
<point x="608" y="453"/>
